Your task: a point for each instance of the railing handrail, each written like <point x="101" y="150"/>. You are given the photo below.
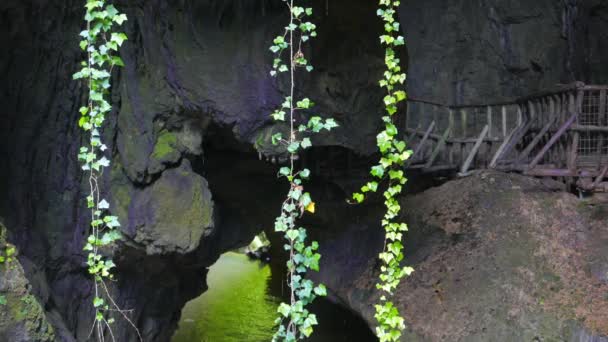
<point x="560" y="88"/>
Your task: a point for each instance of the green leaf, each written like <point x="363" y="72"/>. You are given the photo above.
<point x="321" y="290"/>
<point x="118" y="38"/>
<point x="284" y="309"/>
<point x="306" y="143"/>
<point x="358" y="197"/>
<point x="97" y="302"/>
<point x="292" y="234"/>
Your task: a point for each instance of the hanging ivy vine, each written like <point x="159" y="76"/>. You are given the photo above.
<point x="101" y="45"/>
<point x="390" y="168"/>
<point x="295" y="321"/>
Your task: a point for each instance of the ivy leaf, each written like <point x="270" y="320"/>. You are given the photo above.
<point x="104" y="162"/>
<point x="284" y="309"/>
<point x="306" y="143"/>
<point x="321" y="290"/>
<point x="97" y="302"/>
<point x="358" y="197"/>
<point x="292" y="234"/>
<point x="103" y="204"/>
<point x="118" y="38"/>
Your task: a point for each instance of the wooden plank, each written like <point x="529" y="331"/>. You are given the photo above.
<point x="451" y="119"/>
<point x="589" y="128"/>
<point x="601" y="120"/>
<point x="552" y="141"/>
<point x="439" y="147"/>
<point x="546" y="172"/>
<point x="519" y="116"/>
<point x="413" y="133"/>
<point x="421" y="144"/>
<point x="504" y="121"/>
<point x="471" y="156"/>
<point x="463" y="121"/>
<point x="600" y="177"/>
<point x="537" y="138"/>
<point x="451" y="148"/>
<point x="573" y="148"/>
<point x="517" y="134"/>
<point x="454" y="140"/>
<point x="502" y="147"/>
<point x="489" y="119"/>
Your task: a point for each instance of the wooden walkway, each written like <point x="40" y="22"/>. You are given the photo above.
<point x="561" y="132"/>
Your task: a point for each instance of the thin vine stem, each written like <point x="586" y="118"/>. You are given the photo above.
<point x="101" y="45"/>
<point x="295" y="322"/>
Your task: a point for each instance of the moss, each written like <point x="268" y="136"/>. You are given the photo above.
<point x="20" y="309"/>
<point x="166" y="151"/>
<point x="165" y="144"/>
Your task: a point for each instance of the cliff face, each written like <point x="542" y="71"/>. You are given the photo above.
<point x="498" y="257"/>
<point x="469" y="51"/>
<point x="22" y="318"/>
<point x="195" y="96"/>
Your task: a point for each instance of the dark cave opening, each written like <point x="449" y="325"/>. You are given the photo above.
<point x="247" y="195"/>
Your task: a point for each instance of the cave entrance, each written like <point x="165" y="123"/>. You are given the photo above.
<point x="240" y="305"/>
<point x="243" y="292"/>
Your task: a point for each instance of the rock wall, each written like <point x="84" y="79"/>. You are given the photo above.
<point x="196" y="76"/>
<point x="22" y="318"/>
<point x="480" y="51"/>
<point x="498" y="257"/>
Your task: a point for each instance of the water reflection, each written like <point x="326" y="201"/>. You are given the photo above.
<point x="238" y="307"/>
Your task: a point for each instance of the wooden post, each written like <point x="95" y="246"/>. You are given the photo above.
<point x="574" y="107"/>
<point x="552" y="141"/>
<point x="439" y="147"/>
<point x="504" y="121"/>
<point x="531" y="110"/>
<point x="502" y="147"/>
<point x="534" y="141"/>
<point x="450" y="118"/>
<point x="601" y="122"/>
<point x="518" y="133"/>
<point x="450" y="147"/>
<point x="463" y="122"/>
<point x="413" y="134"/>
<point x="471" y="156"/>
<point x="600" y="177"/>
<point x="489" y="114"/>
<point x="519" y="116"/>
<point x="421" y="144"/>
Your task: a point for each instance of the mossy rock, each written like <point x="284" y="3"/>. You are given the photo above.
<point x="22" y="318"/>
<point x="173" y="214"/>
<point x="166" y="152"/>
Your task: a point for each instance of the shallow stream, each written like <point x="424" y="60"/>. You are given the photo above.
<point x="240" y="306"/>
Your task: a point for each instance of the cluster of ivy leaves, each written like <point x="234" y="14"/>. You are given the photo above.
<point x="390" y="170"/>
<point x="7" y="254"/>
<point x="295" y="322"/>
<point x="101" y="45"/>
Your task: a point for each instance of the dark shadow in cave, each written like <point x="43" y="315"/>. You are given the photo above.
<point x="247" y="195"/>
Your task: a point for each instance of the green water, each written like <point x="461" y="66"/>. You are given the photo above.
<point x="236" y="307"/>
<point x="240" y="306"/>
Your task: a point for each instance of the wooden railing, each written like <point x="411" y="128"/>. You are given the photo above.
<point x="560" y="132"/>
